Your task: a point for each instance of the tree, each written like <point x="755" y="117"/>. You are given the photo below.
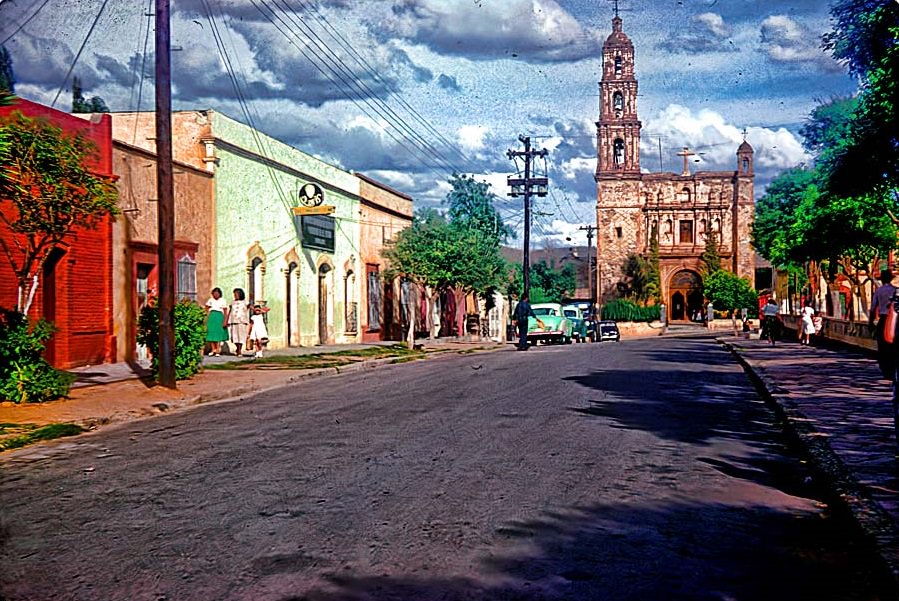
<point x="710" y="258"/>
<point x="471" y="206"/>
<point x="643" y="277"/>
<point x="7" y="77"/>
<point x="867" y="160"/>
<point x="80" y="105"/>
<point x="729" y="292"/>
<point x="548" y="284"/>
<point x="48" y="191"/>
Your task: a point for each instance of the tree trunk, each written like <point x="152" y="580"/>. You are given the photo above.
<point x="432" y="301"/>
<point x="460" y="312"/>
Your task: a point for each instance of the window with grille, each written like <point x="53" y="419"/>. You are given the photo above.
<point x="186" y="280"/>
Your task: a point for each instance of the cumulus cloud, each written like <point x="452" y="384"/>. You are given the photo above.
<point x="707" y="33"/>
<point x="715" y="141"/>
<point x="448" y="82"/>
<point x="789" y="42"/>
<point x="471" y="137"/>
<point x="535" y="30"/>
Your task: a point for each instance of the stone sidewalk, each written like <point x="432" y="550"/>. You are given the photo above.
<point x="120" y="392"/>
<point x="838" y="408"/>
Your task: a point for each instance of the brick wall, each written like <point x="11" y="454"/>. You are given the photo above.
<point x="75" y="289"/>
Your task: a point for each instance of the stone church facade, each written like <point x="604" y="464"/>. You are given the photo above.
<point x="680" y="210"/>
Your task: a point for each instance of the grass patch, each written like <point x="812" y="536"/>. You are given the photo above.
<point x="48" y="432"/>
<point x="321" y="360"/>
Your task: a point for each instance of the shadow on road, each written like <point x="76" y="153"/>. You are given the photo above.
<point x="608" y="552"/>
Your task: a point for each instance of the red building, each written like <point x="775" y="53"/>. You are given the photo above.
<point x="75" y="289"/>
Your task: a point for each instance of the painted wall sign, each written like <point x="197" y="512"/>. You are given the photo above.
<point x="316" y="231"/>
<point x="311" y="195"/>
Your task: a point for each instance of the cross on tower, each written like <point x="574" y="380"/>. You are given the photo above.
<point x="686" y="153"/>
<point x="615" y="4"/>
<point x="745" y="133"/>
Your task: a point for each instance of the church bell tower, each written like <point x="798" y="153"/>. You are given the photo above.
<point x="618" y="129"/>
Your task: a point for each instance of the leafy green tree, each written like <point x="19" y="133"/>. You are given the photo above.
<point x="548" y="284"/>
<point x="81" y="105"/>
<point x="867" y="159"/>
<point x="775" y="215"/>
<point x="642" y="276"/>
<point x="710" y="258"/>
<point x="50" y="191"/>
<point x="7" y="77"/>
<point x="471" y="206"/>
<point x="729" y="292"/>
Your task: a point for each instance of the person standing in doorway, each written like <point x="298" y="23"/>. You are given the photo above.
<point x="239" y="320"/>
<point x="216" y="312"/>
<point x="880" y="305"/>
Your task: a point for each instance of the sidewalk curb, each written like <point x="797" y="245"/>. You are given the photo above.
<point x="875" y="523"/>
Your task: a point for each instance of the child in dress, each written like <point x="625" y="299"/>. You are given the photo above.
<point x="258" y="332"/>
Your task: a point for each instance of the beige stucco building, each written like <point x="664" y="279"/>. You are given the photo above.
<point x="383" y="213"/>
<point x="680" y="210"/>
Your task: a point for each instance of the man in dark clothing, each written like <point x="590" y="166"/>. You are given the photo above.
<point x="522" y="312"/>
<point x="881" y="302"/>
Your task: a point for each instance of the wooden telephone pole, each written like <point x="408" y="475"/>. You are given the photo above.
<point x="525" y="187"/>
<point x="165" y="195"/>
<point x="590" y="229"/>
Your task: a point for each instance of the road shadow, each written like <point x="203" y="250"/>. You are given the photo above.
<point x="692" y="552"/>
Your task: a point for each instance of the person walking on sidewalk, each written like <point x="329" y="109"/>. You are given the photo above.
<point x="771" y="321"/>
<point x="880" y="305"/>
<point x="807" y="328"/>
<point x="522" y="312"/>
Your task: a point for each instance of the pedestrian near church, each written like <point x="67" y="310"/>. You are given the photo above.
<point x="239" y="320"/>
<point x="770" y="322"/>
<point x="216" y="312"/>
<point x="880" y="305"/>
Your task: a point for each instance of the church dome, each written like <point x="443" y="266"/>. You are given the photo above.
<point x="617" y="37"/>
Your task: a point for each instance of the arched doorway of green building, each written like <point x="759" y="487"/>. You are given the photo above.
<point x="684" y="295"/>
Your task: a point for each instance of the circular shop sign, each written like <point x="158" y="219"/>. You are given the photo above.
<point x="311" y="195"/>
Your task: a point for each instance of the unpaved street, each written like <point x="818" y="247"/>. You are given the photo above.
<point x="642" y="470"/>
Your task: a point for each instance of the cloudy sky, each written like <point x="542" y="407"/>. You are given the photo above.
<point x="409" y="91"/>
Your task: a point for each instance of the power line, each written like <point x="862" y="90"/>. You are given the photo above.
<point x="349" y="81"/>
<point x="78" y="55"/>
<point x="25" y="22"/>
<point x="345" y="44"/>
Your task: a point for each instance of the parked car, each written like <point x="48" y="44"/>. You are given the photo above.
<point x="608" y="330"/>
<point x="556" y="327"/>
<point x="579" y="325"/>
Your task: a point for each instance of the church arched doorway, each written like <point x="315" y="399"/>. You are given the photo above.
<point x="685" y="295"/>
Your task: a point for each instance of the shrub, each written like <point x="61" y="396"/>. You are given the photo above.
<point x="190" y="337"/>
<point x="25" y="376"/>
<point x="622" y="309"/>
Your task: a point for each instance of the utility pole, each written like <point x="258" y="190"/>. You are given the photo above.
<point x="590" y="229"/>
<point x="165" y="195"/>
<point x="523" y="187"/>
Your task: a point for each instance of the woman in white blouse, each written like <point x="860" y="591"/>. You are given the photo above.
<point x="216" y="311"/>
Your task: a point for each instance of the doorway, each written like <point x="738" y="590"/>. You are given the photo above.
<point x="290" y="303"/>
<point x="49" y="300"/>
<point x="685" y="290"/>
<point x="323" y="308"/>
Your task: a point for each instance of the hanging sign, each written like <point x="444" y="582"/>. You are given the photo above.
<point x="316" y="231"/>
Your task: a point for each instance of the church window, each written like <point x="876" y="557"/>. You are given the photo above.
<point x="686" y="232"/>
<point x="618" y="103"/>
<point x="618" y="232"/>
<point x="619" y="152"/>
<point x="654" y="230"/>
<point x="745" y="165"/>
<point x="618" y="65"/>
<point x="685" y="195"/>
